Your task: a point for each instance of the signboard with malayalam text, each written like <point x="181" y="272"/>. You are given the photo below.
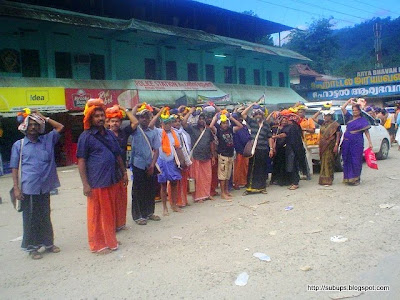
<point x="372" y="77"/>
<point x="346" y="93"/>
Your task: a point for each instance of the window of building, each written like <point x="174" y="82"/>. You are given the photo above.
<point x="63" y="65"/>
<point x="193" y="74"/>
<point x="269" y="78"/>
<point x="97" y="67"/>
<point x="242" y="76"/>
<point x="172" y="73"/>
<point x="257" y="78"/>
<point x="228" y="74"/>
<point x="30" y="62"/>
<point x="210" y="73"/>
<point x="282" y="79"/>
<point x="150" y="68"/>
<point x="10" y="61"/>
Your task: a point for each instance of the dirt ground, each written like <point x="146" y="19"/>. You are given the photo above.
<point x="199" y="253"/>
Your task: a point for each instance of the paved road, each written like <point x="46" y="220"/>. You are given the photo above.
<point x="198" y="254"/>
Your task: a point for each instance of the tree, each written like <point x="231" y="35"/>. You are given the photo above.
<point x="317" y="43"/>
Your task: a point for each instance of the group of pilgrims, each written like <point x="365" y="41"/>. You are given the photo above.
<point x="186" y="152"/>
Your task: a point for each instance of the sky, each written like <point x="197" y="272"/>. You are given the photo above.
<point x="300" y="13"/>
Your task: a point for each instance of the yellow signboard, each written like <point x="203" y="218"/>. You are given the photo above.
<point x="15" y="99"/>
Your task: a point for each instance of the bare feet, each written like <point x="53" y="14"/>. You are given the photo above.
<point x="176" y="209"/>
<point x="165" y="213"/>
<point x="122" y="228"/>
<point x="104" y="251"/>
<point x="225" y="196"/>
<point x="211" y="198"/>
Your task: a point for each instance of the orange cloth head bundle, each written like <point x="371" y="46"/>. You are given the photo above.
<point x="90" y="107"/>
<point x="290" y="115"/>
<point x="114" y="112"/>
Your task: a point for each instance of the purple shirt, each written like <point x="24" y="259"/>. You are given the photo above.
<point x="240" y="139"/>
<point x="100" y="161"/>
<point x="39" y="174"/>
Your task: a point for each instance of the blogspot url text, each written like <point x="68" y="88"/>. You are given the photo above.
<point x="347" y="287"/>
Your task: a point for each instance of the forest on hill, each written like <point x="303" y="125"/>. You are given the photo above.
<point x="345" y="51"/>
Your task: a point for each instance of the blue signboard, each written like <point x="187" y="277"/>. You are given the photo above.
<point x="346" y="93"/>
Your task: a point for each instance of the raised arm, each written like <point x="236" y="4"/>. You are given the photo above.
<point x="344" y="106"/>
<point x="186" y="117"/>
<point x="268" y="119"/>
<point x="132" y="116"/>
<point x="246" y="111"/>
<point x="237" y="125"/>
<point x="212" y="124"/>
<point x="154" y="120"/>
<point x="315" y="116"/>
<point x="56" y="125"/>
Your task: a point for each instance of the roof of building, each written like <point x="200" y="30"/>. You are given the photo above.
<point x="303" y="70"/>
<point x="182" y="13"/>
<point x="25" y="11"/>
<point x="323" y="77"/>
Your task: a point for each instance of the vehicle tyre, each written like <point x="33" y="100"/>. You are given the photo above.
<point x="384" y="151"/>
<point x="339" y="162"/>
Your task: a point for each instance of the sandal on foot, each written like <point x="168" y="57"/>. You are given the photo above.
<point x="264" y="192"/>
<point x="35" y="255"/>
<point x="154" y="218"/>
<point x="53" y="249"/>
<point x="293" y="187"/>
<point x="245" y="193"/>
<point x="141" y="222"/>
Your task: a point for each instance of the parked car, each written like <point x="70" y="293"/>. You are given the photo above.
<point x="379" y="135"/>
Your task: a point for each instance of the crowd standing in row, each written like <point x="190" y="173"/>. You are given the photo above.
<point x="170" y="150"/>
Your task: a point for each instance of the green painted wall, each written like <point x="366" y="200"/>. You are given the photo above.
<point x="125" y="52"/>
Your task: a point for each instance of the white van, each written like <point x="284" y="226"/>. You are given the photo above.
<point x="379" y="135"/>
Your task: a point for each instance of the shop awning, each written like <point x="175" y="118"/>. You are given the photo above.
<point x="274" y="96"/>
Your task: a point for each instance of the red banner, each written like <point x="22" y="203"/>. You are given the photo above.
<point x="75" y="99"/>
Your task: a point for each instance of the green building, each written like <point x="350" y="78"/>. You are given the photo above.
<point x="132" y="48"/>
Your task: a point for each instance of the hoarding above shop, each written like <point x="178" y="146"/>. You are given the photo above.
<point x="372" y="77"/>
<point x="171" y="85"/>
<point x="50" y="99"/>
<point x="365" y="91"/>
<point x="77" y="98"/>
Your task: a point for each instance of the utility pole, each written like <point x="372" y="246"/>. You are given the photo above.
<point x="378" y="44"/>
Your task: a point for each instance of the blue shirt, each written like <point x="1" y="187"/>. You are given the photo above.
<point x="100" y="161"/>
<point x="38" y="174"/>
<point x="141" y="156"/>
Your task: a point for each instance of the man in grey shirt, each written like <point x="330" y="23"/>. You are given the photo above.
<point x="201" y="138"/>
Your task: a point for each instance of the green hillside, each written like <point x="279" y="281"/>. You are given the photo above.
<point x="356" y="47"/>
<point x="345" y="51"/>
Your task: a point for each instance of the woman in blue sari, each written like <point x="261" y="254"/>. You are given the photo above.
<point x="353" y="143"/>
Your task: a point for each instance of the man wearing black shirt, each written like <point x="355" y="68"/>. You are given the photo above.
<point x="224" y="132"/>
